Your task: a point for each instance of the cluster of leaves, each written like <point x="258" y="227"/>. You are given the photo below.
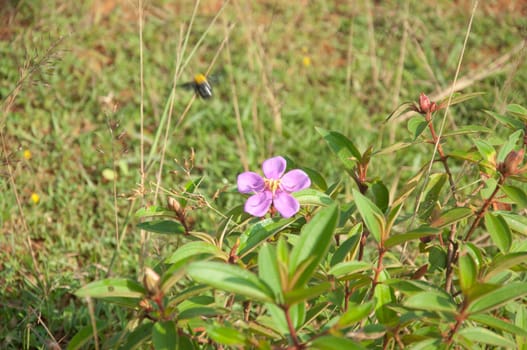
<point x="440" y="264"/>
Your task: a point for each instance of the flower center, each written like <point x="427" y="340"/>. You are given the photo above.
<point x="272" y="184"/>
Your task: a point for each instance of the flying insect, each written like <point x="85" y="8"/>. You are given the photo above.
<point x="200" y="85"/>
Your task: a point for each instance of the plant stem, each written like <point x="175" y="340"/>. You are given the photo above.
<point x="291" y="327"/>
<point x="442" y="156"/>
<point x="377" y="270"/>
<point x="484" y="208"/>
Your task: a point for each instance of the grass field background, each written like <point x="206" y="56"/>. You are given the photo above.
<point x="70" y="86"/>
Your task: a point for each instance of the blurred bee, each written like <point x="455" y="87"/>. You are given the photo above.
<point x="200" y="85"/>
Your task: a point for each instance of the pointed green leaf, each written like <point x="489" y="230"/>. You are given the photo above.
<point x="310" y="196"/>
<point x="306" y="293"/>
<point x="226" y="335"/>
<point x="517" y="109"/>
<point x="404" y="107"/>
<point x="112" y="288"/>
<point x="451" y="216"/>
<point x="499" y="231"/>
<point x="422" y="231"/>
<point x="467" y="272"/>
<point x="162" y="226"/>
<point x="504" y="262"/>
<point x="342" y="147"/>
<point x="499" y="324"/>
<point x="371" y="214"/>
<point x="258" y="233"/>
<point x="516" y="222"/>
<point x="85" y="335"/>
<point x="486" y="150"/>
<point x="137" y="337"/>
<point x="349" y="267"/>
<point x="431" y="301"/>
<point x="329" y="342"/>
<point x="268" y="269"/>
<point x="498" y="297"/>
<point x="416" y="126"/>
<point x="230" y="278"/>
<point x="197" y="249"/>
<point x="355" y="313"/>
<point x="509" y="121"/>
<point x="313" y="243"/>
<point x="485" y="336"/>
<point x="164" y="335"/>
<point x="515" y="194"/>
<point x="349" y="245"/>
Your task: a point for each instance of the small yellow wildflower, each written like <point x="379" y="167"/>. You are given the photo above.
<point x="27" y="154"/>
<point x="35" y="198"/>
<point x="306" y="61"/>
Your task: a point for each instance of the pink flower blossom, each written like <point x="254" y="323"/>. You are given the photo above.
<point x="274" y="189"/>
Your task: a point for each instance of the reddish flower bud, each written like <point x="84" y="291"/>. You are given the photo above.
<point x="151" y="281"/>
<point x="424" y="103"/>
<point x="512" y="162"/>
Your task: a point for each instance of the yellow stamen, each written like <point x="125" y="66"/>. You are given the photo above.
<point x="272" y="184"/>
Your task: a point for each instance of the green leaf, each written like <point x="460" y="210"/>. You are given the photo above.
<point x="136" y="338"/>
<point x="306" y="293"/>
<point x="371" y="214"/>
<point x="230" y="278"/>
<point x="504" y="262"/>
<point x="431" y="301"/>
<point x="153" y="210"/>
<point x="485" y="336"/>
<point x="329" y="342"/>
<point x="349" y="245"/>
<point x="342" y="147"/>
<point x="517" y="109"/>
<point x="112" y="288"/>
<point x="510" y="144"/>
<point x="498" y="297"/>
<point x="384" y="297"/>
<point x="164" y="335"/>
<point x="349" y="267"/>
<point x="486" y="151"/>
<point x="162" y="226"/>
<point x="85" y="334"/>
<point x="355" y="313"/>
<point x="516" y="222"/>
<point x="498" y="324"/>
<point x="197" y="249"/>
<point x="416" y="126"/>
<point x="404" y="107"/>
<point x="467" y="272"/>
<point x="381" y="195"/>
<point x="516" y="195"/>
<point x="431" y="194"/>
<point x="258" y="233"/>
<point x="509" y="121"/>
<point x="467" y="129"/>
<point x="313" y="243"/>
<point x="451" y="216"/>
<point x="268" y="270"/>
<point x="422" y="231"/>
<point x="226" y="335"/>
<point x="310" y="196"/>
<point x="394" y="148"/>
<point x="499" y="231"/>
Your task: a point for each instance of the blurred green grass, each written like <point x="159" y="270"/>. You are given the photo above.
<point x="62" y="114"/>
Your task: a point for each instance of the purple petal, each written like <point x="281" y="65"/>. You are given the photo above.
<point x="295" y="180"/>
<point x="273" y="168"/>
<point x="250" y="182"/>
<point x="286" y="205"/>
<point x="259" y="204"/>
